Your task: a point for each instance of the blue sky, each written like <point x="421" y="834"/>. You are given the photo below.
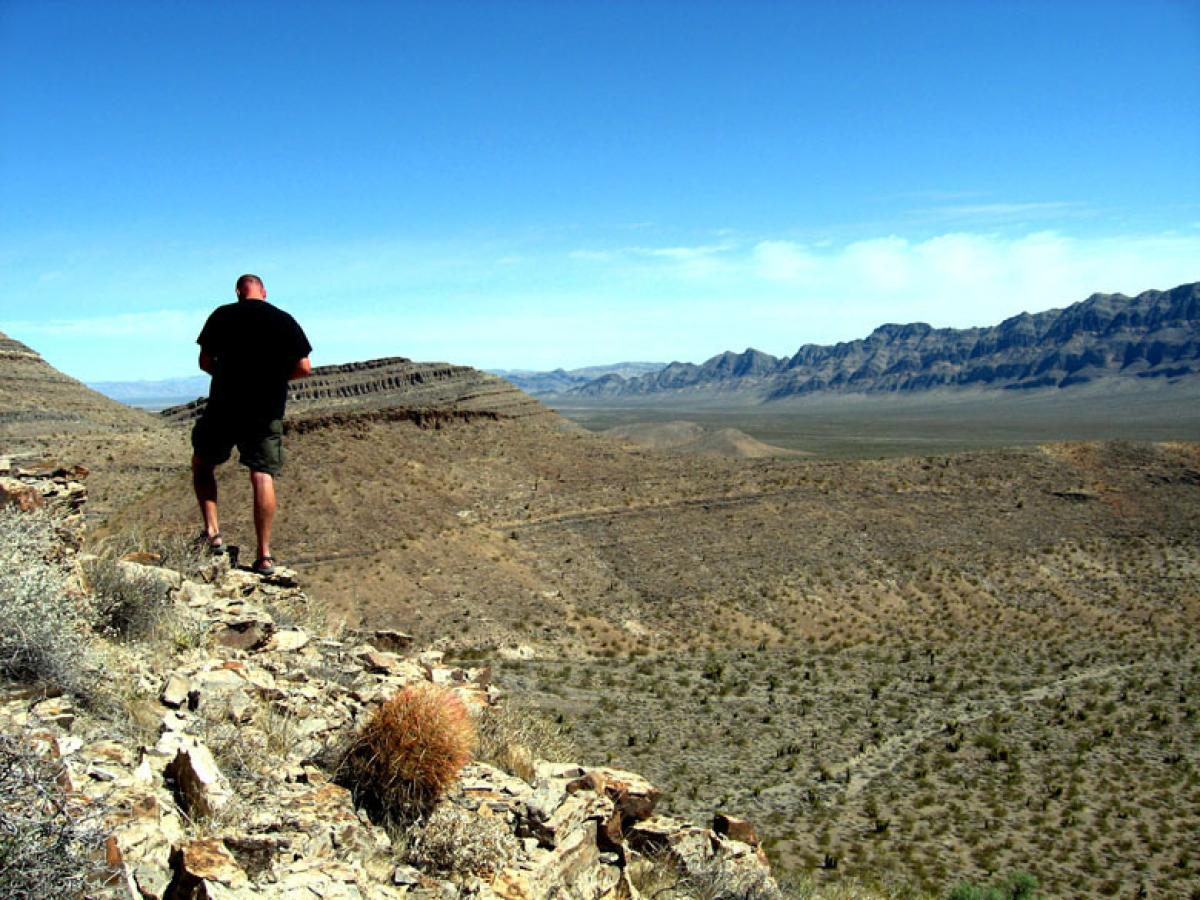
<point x="528" y="185"/>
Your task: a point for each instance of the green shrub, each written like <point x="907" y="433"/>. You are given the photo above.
<point x="1018" y="886"/>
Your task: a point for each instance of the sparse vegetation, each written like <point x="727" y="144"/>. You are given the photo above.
<point x="128" y="605"/>
<point x="512" y="736"/>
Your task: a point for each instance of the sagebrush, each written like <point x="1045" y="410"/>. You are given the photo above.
<point x="45" y="628"/>
<point x="459" y="842"/>
<point x="48" y="849"/>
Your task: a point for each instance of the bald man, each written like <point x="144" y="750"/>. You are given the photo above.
<point x="251" y="349"/>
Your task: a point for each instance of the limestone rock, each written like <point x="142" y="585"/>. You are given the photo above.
<point x="24" y="497"/>
<point x="736" y="829"/>
<point x="201" y="860"/>
<point x="175" y="691"/>
<point x="288" y="640"/>
<point x="202" y="789"/>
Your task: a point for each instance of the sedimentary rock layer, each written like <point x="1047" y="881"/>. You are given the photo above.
<point x="396" y="383"/>
<point x="37" y="399"/>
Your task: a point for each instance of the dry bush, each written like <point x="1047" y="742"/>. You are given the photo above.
<point x="47" y="849"/>
<point x="409" y="752"/>
<point x="128" y="606"/>
<point x="44" y="632"/>
<point x="459" y="842"/>
<point x="717" y="878"/>
<point x="180" y="550"/>
<point x="513" y="736"/>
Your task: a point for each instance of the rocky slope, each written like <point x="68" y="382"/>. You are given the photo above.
<point x="1155" y="335"/>
<point x="207" y="765"/>
<point x="36" y="399"/>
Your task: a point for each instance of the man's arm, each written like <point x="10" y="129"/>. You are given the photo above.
<point x="302" y="370"/>
<point x="207" y="363"/>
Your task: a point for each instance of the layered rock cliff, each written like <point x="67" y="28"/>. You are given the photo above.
<point x="395" y="386"/>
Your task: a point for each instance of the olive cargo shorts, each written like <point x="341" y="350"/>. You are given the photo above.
<point x="260" y="445"/>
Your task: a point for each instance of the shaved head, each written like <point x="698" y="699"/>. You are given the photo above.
<point x="250" y="286"/>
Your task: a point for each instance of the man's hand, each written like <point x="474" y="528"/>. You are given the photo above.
<point x="303" y="370"/>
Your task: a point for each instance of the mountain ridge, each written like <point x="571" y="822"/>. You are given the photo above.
<point x="1153" y="335"/>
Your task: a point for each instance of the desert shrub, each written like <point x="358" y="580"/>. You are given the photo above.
<point x="46" y="848"/>
<point x="409" y="752"/>
<point x="44" y="630"/>
<point x="181" y="551"/>
<point x="459" y="842"/>
<point x="513" y="736"/>
<point x="717" y="878"/>
<point x="806" y="887"/>
<point x="127" y="604"/>
<point x="1018" y="886"/>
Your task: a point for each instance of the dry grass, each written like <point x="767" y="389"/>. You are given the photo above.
<point x="513" y="736"/>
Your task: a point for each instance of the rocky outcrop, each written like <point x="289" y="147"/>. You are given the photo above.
<point x="219" y="778"/>
<point x="1155" y="335"/>
<point x="395" y="387"/>
<point x="36" y="399"/>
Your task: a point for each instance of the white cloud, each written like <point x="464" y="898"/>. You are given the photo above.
<point x="677" y="300"/>
<point x="784" y="260"/>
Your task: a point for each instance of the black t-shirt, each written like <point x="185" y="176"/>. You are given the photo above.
<point x="255" y="347"/>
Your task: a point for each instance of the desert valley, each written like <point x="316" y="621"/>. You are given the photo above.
<point x="922" y="608"/>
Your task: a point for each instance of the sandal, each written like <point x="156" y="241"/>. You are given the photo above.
<point x="264" y="565"/>
<point x="214" y="544"/>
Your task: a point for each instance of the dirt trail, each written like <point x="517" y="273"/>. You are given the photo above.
<point x="870" y="764"/>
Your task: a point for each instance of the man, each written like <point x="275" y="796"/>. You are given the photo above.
<point x="251" y="349"/>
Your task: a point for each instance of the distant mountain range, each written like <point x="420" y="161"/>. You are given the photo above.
<point x="1155" y="335"/>
<point x="559" y="381"/>
<point x="154" y="394"/>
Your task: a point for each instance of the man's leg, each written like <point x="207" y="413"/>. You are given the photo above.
<point x="264" y="509"/>
<point x="204" y="480"/>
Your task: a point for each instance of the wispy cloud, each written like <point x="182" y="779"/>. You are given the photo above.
<point x="1005" y="211"/>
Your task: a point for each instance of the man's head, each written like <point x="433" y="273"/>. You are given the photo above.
<point x="250" y="287"/>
